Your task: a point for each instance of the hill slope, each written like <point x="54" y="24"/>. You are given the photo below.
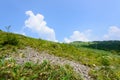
<point x="112" y="46"/>
<point x="103" y="64"/>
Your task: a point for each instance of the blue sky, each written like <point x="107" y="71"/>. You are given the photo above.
<point x="63" y="20"/>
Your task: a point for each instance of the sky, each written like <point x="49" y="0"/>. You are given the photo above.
<point x="62" y="20"/>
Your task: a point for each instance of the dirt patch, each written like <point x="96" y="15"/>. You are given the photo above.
<point x="30" y="54"/>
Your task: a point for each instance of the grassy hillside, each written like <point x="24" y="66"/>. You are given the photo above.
<point x="112" y="46"/>
<point x="104" y="65"/>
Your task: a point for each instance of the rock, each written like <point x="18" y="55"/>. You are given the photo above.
<point x="32" y="55"/>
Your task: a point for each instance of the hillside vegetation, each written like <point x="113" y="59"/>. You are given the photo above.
<point x="104" y="64"/>
<point x="112" y="46"/>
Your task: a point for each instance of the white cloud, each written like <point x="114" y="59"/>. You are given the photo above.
<point x="78" y="36"/>
<point x="113" y="33"/>
<point x="20" y="32"/>
<point x="37" y="24"/>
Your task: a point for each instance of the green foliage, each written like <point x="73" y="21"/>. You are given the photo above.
<point x="10" y="39"/>
<point x="112" y="46"/>
<point x="105" y="61"/>
<point x="0" y="30"/>
<point x="34" y="71"/>
<point x="94" y="58"/>
<point x="105" y="73"/>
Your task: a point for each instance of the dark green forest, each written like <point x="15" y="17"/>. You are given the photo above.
<point x="112" y="45"/>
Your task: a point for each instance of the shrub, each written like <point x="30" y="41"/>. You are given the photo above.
<point x="105" y="61"/>
<point x="10" y="39"/>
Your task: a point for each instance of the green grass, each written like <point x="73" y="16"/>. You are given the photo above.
<point x="111" y="45"/>
<point x="9" y="70"/>
<point x="90" y="57"/>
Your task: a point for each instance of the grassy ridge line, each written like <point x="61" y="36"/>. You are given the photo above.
<point x="84" y="55"/>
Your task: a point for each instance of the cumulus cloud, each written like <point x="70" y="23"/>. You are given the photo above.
<point x="78" y="36"/>
<point x="113" y="33"/>
<point x="37" y="24"/>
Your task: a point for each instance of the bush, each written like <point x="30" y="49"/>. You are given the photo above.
<point x="10" y="39"/>
<point x="105" y="61"/>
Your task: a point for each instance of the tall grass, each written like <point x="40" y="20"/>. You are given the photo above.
<point x="9" y="70"/>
